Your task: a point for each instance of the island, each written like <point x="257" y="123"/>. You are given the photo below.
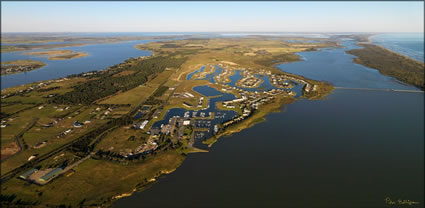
<point x="59" y="54"/>
<point x="92" y="138"/>
<point x="19" y="66"/>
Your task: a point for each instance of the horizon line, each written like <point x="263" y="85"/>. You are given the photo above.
<point x="212" y="32"/>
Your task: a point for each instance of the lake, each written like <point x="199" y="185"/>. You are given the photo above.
<point x="353" y="149"/>
<point x="100" y="56"/>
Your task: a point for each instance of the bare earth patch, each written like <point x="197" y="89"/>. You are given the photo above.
<point x="228" y="62"/>
<point x="9" y="150"/>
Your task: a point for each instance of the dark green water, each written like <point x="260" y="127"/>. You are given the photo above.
<point x="353" y="149"/>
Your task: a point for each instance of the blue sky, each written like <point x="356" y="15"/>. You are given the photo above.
<point x="212" y="16"/>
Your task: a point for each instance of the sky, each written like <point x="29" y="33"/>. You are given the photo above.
<point x="212" y="16"/>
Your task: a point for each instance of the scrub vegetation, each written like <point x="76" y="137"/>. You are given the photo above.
<point x="391" y="64"/>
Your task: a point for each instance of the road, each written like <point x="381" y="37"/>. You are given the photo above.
<point x="92" y="134"/>
<point x="21" y="133"/>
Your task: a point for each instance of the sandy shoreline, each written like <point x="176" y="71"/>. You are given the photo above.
<point x="369" y="41"/>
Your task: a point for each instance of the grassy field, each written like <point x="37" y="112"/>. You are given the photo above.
<point x="134" y="96"/>
<point x="37" y="96"/>
<point x="139" y="94"/>
<point x="10" y="109"/>
<point x="32" y="136"/>
<point x="39" y="133"/>
<point x="97" y="181"/>
<point x="120" y="140"/>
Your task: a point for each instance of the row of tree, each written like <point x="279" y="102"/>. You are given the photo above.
<point x="105" y="84"/>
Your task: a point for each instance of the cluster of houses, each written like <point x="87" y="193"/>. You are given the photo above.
<point x="104" y="114"/>
<point x="202" y="74"/>
<point x="223" y="77"/>
<point x="250" y="101"/>
<point x="30" y="88"/>
<point x="249" y="81"/>
<point x="201" y="122"/>
<point x="14" y="68"/>
<point x="280" y="81"/>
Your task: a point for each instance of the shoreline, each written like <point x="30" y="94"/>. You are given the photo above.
<point x="35" y="65"/>
<point x="370" y="41"/>
<point x="389" y="63"/>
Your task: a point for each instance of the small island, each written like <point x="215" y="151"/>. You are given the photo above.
<point x="59" y="54"/>
<point x="19" y="66"/>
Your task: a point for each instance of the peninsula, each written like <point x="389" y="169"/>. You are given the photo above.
<point x="91" y="138"/>
<point x="391" y="64"/>
<point x="19" y="66"/>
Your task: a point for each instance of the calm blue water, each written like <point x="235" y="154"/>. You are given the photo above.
<point x="264" y="86"/>
<point x="337" y="67"/>
<point x="100" y="56"/>
<point x="207" y="91"/>
<point x="352" y="149"/>
<point x="211" y="76"/>
<point x="138" y="115"/>
<point x="189" y="76"/>
<point x="48" y="43"/>
<point x="408" y="44"/>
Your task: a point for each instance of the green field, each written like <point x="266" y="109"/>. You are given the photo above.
<point x="97" y="181"/>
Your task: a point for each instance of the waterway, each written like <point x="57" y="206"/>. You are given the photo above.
<point x="214" y="96"/>
<point x="352" y="149"/>
<point x="100" y="56"/>
<point x="207" y="121"/>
